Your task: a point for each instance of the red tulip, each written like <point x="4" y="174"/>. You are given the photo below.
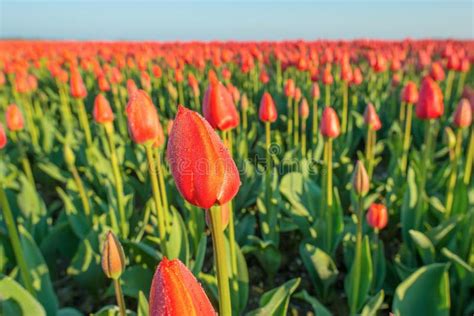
<point x="289" y="88"/>
<point x="3" y="137"/>
<point x="14" y="118"/>
<point x="156" y="70"/>
<point x="102" y="111"/>
<point x="430" y="102"/>
<point x="327" y="76"/>
<point x="453" y="62"/>
<point x="145" y="80"/>
<point x="377" y="216"/>
<point x="330" y="126"/>
<point x="410" y="93"/>
<point x="218" y="107"/>
<point x="346" y="73"/>
<point x="176" y="292"/>
<point x="143" y="123"/>
<point x="357" y="77"/>
<point x="103" y="84"/>
<point x="78" y="89"/>
<point x="315" y="92"/>
<point x="437" y="72"/>
<point x="264" y="78"/>
<point x="464" y="65"/>
<point x="371" y="118"/>
<point x="131" y="87"/>
<point x="463" y="114"/>
<point x="267" y="111"/>
<point x="304" y="109"/>
<point x="203" y="169"/>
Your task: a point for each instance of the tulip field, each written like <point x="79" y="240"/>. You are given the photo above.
<point x="237" y="178"/>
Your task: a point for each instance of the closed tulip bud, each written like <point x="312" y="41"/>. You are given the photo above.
<point x="304" y="109"/>
<point x="297" y="95"/>
<point x="244" y="102"/>
<point x="202" y="168"/>
<point x="437" y="72"/>
<point x="330" y="126"/>
<point x="410" y="93"/>
<point x="377" y="216"/>
<point x="78" y="89"/>
<point x="346" y="73"/>
<point x="143" y="122"/>
<point x="145" y="81"/>
<point x="131" y="87"/>
<point x="103" y="84"/>
<point x="102" y="111"/>
<point x="315" y="92"/>
<point x="178" y="75"/>
<point x="175" y="291"/>
<point x="68" y="154"/>
<point x="449" y="138"/>
<point x="357" y="77"/>
<point x="430" y="101"/>
<point x="360" y="179"/>
<point x="3" y="137"/>
<point x="464" y="65"/>
<point x="156" y="70"/>
<point x="264" y="78"/>
<point x="113" y="258"/>
<point x="14" y="118"/>
<point x="218" y="107"/>
<point x="371" y="118"/>
<point x="267" y="111"/>
<point x="290" y="88"/>
<point x="453" y="62"/>
<point x="172" y="91"/>
<point x="327" y="75"/>
<point x="463" y="114"/>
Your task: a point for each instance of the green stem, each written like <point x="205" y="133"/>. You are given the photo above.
<point x="449" y="86"/>
<point x="403" y="111"/>
<point x="290" y="120"/>
<point x="462" y="79"/>
<point x="469" y="159"/>
<point x="84" y="121"/>
<point x="15" y="241"/>
<point x="314" y="137"/>
<point x="357" y="259"/>
<point x="24" y="159"/>
<point x="406" y="138"/>
<point x="345" y="96"/>
<point x="82" y="191"/>
<point x="157" y="198"/>
<point x="329" y="192"/>
<point x="119" y="297"/>
<point x="162" y="185"/>
<point x="30" y="120"/>
<point x="109" y="129"/>
<point x="327" y="95"/>
<point x="225" y="307"/>
<point x="119" y="110"/>
<point x="303" y="137"/>
<point x="296" y="129"/>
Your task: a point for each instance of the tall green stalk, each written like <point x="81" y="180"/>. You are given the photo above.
<point x="119" y="297"/>
<point x="15" y="241"/>
<point x="84" y="121"/>
<point x="220" y="254"/>
<point x="357" y="258"/>
<point x="314" y="137"/>
<point x="406" y="138"/>
<point x="469" y="159"/>
<point x="345" y="101"/>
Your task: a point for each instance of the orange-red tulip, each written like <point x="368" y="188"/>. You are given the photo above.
<point x="304" y="109"/>
<point x="371" y="118"/>
<point x="3" y="137"/>
<point x="330" y="126"/>
<point x="377" y="216"/>
<point x="430" y="101"/>
<point x="437" y="72"/>
<point x="102" y="111"/>
<point x="463" y="114"/>
<point x="14" y="118"/>
<point x="202" y="168"/>
<point x="267" y="111"/>
<point x="218" y="107"/>
<point x="410" y="93"/>
<point x="78" y="89"/>
<point x="143" y="123"/>
<point x="176" y="292"/>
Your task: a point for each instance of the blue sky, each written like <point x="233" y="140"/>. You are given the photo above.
<point x="235" y="20"/>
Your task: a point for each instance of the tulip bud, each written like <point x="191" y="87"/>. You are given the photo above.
<point x="357" y="77"/>
<point x="297" y="95"/>
<point x="172" y="91"/>
<point x="175" y="291"/>
<point x="244" y="103"/>
<point x="463" y="114"/>
<point x="218" y="107"/>
<point x="315" y="93"/>
<point x="449" y="138"/>
<point x="330" y="126"/>
<point x="267" y="111"/>
<point x="377" y="216"/>
<point x="437" y="72"/>
<point x="78" y="89"/>
<point x="102" y="111"/>
<point x="290" y="88"/>
<point x="103" y="83"/>
<point x="430" y="102"/>
<point x="463" y="66"/>
<point x="410" y="93"/>
<point x="143" y="122"/>
<point x="14" y="118"/>
<point x="113" y="258"/>
<point x="327" y="75"/>
<point x="131" y="87"/>
<point x="3" y="137"/>
<point x="453" y="62"/>
<point x="69" y="156"/>
<point x="371" y="118"/>
<point x="304" y="109"/>
<point x="202" y="168"/>
<point x="360" y="179"/>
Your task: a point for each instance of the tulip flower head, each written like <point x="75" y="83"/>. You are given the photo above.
<point x="330" y="126"/>
<point x="3" y="137"/>
<point x="463" y="114"/>
<point x="360" y="179"/>
<point x="175" y="291"/>
<point x="371" y="118"/>
<point x="78" y="88"/>
<point x="410" y="93"/>
<point x="304" y="109"/>
<point x="377" y="216"/>
<point x="202" y="168"/>
<point x="267" y="111"/>
<point x="437" y="72"/>
<point x="143" y="123"/>
<point x="14" y="118"/>
<point x="113" y="258"/>
<point x="290" y="88"/>
<point x="315" y="92"/>
<point x="102" y="111"/>
<point x="430" y="101"/>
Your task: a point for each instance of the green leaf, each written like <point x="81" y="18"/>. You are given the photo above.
<point x="373" y="305"/>
<point x="136" y="279"/>
<point x="425" y="292"/>
<point x="318" y="308"/>
<point x="240" y="298"/>
<point x="39" y="272"/>
<point x="423" y="245"/>
<point x="200" y="253"/>
<point x="142" y="308"/>
<point x="177" y="245"/>
<point x="275" y="302"/>
<point x="15" y="300"/>
<point x="320" y="266"/>
<point x="359" y="279"/>
<point x="69" y="311"/>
